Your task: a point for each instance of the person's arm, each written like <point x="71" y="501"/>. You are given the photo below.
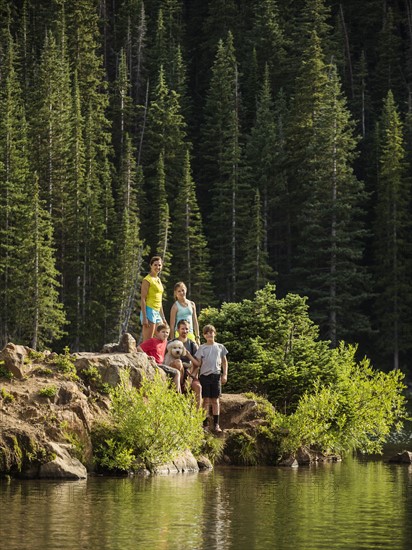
<point x="224" y="367"/>
<point x="173" y="320"/>
<point x="195" y="323"/>
<point x="195" y="362"/>
<point x="162" y="315"/>
<point x="143" y="295"/>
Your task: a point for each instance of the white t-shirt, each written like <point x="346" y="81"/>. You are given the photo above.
<point x="211" y="357"/>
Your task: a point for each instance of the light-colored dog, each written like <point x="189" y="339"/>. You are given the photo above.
<point x="175" y="350"/>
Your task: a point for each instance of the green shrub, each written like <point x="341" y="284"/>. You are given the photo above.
<point x="273" y="347"/>
<point x="64" y="364"/>
<point x="36" y="356"/>
<point x="213" y="447"/>
<point x="4" y="372"/>
<point x="6" y="396"/>
<point x="92" y="376"/>
<point x="358" y="412"/>
<point x="241" y="447"/>
<point x="48" y="391"/>
<point x="152" y="423"/>
<point x="44" y="371"/>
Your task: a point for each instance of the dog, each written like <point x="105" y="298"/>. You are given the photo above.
<point x="175" y="350"/>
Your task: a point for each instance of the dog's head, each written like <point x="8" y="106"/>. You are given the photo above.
<point x="176" y="349"/>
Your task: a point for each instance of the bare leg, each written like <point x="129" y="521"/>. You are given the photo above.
<point x="197" y="389"/>
<point x="215" y="405"/>
<point x="148" y="331"/>
<point x="176" y="380"/>
<point x="206" y="406"/>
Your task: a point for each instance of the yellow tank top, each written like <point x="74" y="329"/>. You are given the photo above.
<point x="155" y="292"/>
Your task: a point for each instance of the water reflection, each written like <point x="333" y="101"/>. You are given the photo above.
<point x="352" y="505"/>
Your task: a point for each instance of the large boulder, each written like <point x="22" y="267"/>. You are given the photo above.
<point x="109" y="366"/>
<point x="15" y="359"/>
<point x="127" y="344"/>
<point x="238" y="411"/>
<point x="63" y="465"/>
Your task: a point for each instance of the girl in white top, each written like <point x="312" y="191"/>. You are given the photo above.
<point x="184" y="310"/>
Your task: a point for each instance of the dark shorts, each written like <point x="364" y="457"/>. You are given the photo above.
<point x="168" y="370"/>
<point x="211" y="386"/>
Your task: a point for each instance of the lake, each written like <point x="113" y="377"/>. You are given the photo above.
<point x="356" y="504"/>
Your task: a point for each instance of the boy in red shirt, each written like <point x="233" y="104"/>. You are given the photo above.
<point x="156" y="347"/>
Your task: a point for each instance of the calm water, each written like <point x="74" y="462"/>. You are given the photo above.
<point x="352" y="505"/>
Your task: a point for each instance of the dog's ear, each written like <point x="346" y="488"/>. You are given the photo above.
<point x="169" y="344"/>
<point x="184" y="349"/>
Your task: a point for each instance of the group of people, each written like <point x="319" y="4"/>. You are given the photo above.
<point x="203" y="368"/>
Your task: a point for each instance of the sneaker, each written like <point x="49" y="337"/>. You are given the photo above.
<point x="218" y="429"/>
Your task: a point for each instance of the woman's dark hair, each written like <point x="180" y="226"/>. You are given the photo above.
<point x="155" y="259"/>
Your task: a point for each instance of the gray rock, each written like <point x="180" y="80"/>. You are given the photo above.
<point x="63" y="466"/>
<point x="14" y="357"/>
<point x="204" y="463"/>
<point x="127" y="344"/>
<point x="109" y="366"/>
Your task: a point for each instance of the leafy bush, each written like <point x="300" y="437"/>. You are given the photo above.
<point x="153" y="423"/>
<point x="4" y="372"/>
<point x="6" y="396"/>
<point x="49" y="391"/>
<point x="357" y="412"/>
<point x="273" y="347"/>
<point x="64" y="363"/>
<point x="213" y="447"/>
<point x="323" y="397"/>
<point x="241" y="447"/>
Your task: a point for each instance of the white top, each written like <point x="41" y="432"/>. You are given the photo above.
<point x="211" y="357"/>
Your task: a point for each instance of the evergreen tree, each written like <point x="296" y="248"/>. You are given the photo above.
<point x="269" y="41"/>
<point x="40" y="316"/>
<point x="388" y="73"/>
<point x="14" y="175"/>
<point x="129" y="244"/>
<point x="50" y="138"/>
<point x="331" y="237"/>
<point x="222" y="172"/>
<point x="264" y="156"/>
<point x="163" y="224"/>
<point x="255" y="270"/>
<point x="392" y="242"/>
<point x="122" y="113"/>
<point x="73" y="287"/>
<point x="96" y="238"/>
<point x="189" y="248"/>
<point x="166" y="132"/>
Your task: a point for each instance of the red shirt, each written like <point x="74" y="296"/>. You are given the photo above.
<point x="156" y="348"/>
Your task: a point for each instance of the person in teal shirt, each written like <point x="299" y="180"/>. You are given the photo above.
<point x="184" y="310"/>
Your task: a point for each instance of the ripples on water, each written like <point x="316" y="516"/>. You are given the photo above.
<point x="350" y="505"/>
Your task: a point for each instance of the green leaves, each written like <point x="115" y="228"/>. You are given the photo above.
<point x="153" y="422"/>
<point x="324" y="397"/>
<point x="357" y="412"/>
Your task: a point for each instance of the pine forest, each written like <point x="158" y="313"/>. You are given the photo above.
<point x="245" y="141"/>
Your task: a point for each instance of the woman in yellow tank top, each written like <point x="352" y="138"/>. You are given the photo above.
<point x="151" y="293"/>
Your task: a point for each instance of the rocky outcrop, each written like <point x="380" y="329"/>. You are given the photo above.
<point x="106" y="367"/>
<point x="15" y="360"/>
<point x="127" y="344"/>
<point x="48" y="415"/>
<point x="63" y="465"/>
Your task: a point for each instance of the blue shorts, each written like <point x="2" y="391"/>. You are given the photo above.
<point x="152" y="315"/>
